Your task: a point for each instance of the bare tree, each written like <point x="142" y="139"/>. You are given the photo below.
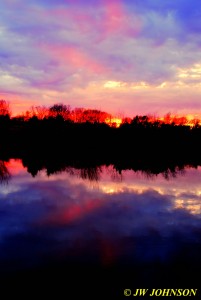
<point x="4" y="108"/>
<point x="60" y="109"/>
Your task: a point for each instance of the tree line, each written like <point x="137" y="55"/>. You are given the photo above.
<point x="56" y="143"/>
<point x="82" y="115"/>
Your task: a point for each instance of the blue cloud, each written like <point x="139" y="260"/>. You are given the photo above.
<point x="46" y="219"/>
<point x="187" y="15"/>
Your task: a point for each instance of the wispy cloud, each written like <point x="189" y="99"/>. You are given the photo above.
<point x="63" y="49"/>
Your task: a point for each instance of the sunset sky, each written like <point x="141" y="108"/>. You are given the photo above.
<point x="121" y="56"/>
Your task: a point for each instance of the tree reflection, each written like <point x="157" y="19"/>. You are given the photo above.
<point x="85" y="170"/>
<point x="4" y="173"/>
<point x="115" y="174"/>
<point x="90" y="173"/>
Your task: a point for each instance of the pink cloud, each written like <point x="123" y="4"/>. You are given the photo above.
<point x="117" y="19"/>
<point x="74" y="58"/>
<point x="114" y="15"/>
<point x="73" y="212"/>
<point x="109" y="18"/>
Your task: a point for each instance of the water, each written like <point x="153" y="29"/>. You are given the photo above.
<point x="114" y="231"/>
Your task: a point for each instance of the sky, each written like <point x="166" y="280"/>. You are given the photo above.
<point x="125" y="57"/>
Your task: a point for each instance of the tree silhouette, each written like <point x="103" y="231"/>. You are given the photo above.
<point x="4" y="108"/>
<point x="61" y="110"/>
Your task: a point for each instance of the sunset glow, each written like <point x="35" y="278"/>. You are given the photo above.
<point x="100" y="150"/>
<point x="116" y="122"/>
<point x="188" y="120"/>
<point x="81" y="115"/>
<point x="128" y="57"/>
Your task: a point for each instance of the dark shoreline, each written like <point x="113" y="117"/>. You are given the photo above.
<point x="55" y="145"/>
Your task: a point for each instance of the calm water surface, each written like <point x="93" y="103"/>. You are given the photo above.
<point x="146" y="229"/>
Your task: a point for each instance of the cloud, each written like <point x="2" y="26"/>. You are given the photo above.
<point x="45" y="218"/>
<point x="62" y="49"/>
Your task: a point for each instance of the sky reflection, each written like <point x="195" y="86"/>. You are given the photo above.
<point x="64" y="217"/>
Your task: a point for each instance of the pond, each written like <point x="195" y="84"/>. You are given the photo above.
<point x="100" y="229"/>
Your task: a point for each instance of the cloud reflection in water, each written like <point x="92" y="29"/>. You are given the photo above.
<point x="64" y="218"/>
